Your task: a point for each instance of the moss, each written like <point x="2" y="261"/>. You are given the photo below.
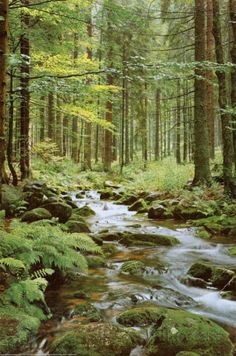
<point x="96" y="340"/>
<point x="109" y="249"/>
<point x="133" y="267"/>
<point x="187" y="353"/>
<point x="232" y="251"/>
<point x="140" y="205"/>
<point x="16" y="328"/>
<point x="182" y="331"/>
<point x="221" y="277"/>
<point x="201" y="270"/>
<point x="36" y="214"/>
<point x="140" y="316"/>
<point x="77" y="226"/>
<point x="85" y="211"/>
<point x="96" y="261"/>
<point x="157" y="239"/>
<point x="88" y="311"/>
<point x="203" y="234"/>
<point x="221" y="224"/>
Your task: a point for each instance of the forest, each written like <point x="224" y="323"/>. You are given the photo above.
<point x="118" y="177"/>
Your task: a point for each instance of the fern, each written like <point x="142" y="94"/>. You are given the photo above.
<point x="12" y="263"/>
<point x="133" y="267"/>
<point x="42" y="273"/>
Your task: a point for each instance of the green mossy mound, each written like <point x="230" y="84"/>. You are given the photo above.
<point x="96" y="261"/>
<point x="88" y="311"/>
<point x="139" y="206"/>
<point x="232" y="251"/>
<point x="177" y="331"/>
<point x="133" y="268"/>
<point x="96" y="340"/>
<point x="77" y="226"/>
<point x="85" y="211"/>
<point x="219" y="225"/>
<point x="36" y="215"/>
<point x="134" y="239"/>
<point x="59" y="210"/>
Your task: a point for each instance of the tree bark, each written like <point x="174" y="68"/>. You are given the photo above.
<point x="201" y="151"/>
<point x="51" y="117"/>
<point x="3" y="75"/>
<point x="25" y="96"/>
<point x="157" y="132"/>
<point x="227" y="135"/>
<point x="178" y="125"/>
<point x="232" y="10"/>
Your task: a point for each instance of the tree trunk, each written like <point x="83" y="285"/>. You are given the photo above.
<point x="51" y="117"/>
<point x="59" y="126"/>
<point x="42" y="119"/>
<point x="10" y="134"/>
<point x="227" y="135"/>
<point x="109" y="117"/>
<point x="209" y="85"/>
<point x="3" y="77"/>
<point x="178" y="125"/>
<point x="157" y="132"/>
<point x="201" y="151"/>
<point x="232" y="9"/>
<point x="25" y="97"/>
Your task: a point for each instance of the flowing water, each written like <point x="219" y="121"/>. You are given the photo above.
<point x="162" y="283"/>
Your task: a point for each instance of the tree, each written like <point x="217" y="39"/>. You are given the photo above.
<point x="3" y="79"/>
<point x="201" y="151"/>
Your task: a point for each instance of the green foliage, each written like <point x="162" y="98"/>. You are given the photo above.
<point x="12" y="264"/>
<point x="47" y="151"/>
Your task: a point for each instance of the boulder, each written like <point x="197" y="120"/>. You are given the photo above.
<point x="59" y="210"/>
<point x="133" y="267"/>
<point x="85" y="211"/>
<point x="221" y="277"/>
<point x="88" y="311"/>
<point x="157" y="212"/>
<point x="140" y="206"/>
<point x="77" y="226"/>
<point x="110" y="184"/>
<point x="36" y="215"/>
<point x="201" y="270"/>
<point x="176" y="331"/>
<point x="96" y="339"/>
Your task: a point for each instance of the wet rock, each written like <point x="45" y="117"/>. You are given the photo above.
<point x="201" y="270"/>
<point x="36" y="215"/>
<point x="157" y="212"/>
<point x="109" y="249"/>
<point x="110" y="184"/>
<point x="140" y="206"/>
<point x="133" y="268"/>
<point x="203" y="233"/>
<point x="106" y="194"/>
<point x="221" y="277"/>
<point x="154" y="196"/>
<point x="232" y="251"/>
<point x="77" y="226"/>
<point x="81" y="295"/>
<point x="177" y="331"/>
<point x="189" y="213"/>
<point x="59" y="210"/>
<point x="195" y="282"/>
<point x="79" y="195"/>
<point x="218" y="224"/>
<point x="88" y="311"/>
<point x="85" y="211"/>
<point x="187" y="353"/>
<point x="128" y="199"/>
<point x="96" y="339"/>
<point x="232" y="285"/>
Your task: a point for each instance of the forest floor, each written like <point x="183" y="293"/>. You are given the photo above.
<point x="119" y="224"/>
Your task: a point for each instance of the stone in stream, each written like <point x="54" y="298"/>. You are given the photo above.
<point x="139" y="206"/>
<point x="133" y="268"/>
<point x="135" y="239"/>
<point x="36" y="215"/>
<point x="59" y="210"/>
<point x="88" y="311"/>
<point x="85" y="211"/>
<point x="175" y="330"/>
<point x="97" y="339"/>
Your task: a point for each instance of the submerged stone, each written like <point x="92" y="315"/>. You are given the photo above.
<point x="88" y="311"/>
<point x="133" y="268"/>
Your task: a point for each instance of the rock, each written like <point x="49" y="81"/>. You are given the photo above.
<point x="134" y="239"/>
<point x="85" y="211"/>
<point x="154" y="196"/>
<point x="232" y="285"/>
<point x="222" y="224"/>
<point x="109" y="249"/>
<point x="201" y="270"/>
<point x="189" y="213"/>
<point x="59" y="210"/>
<point x="221" y="277"/>
<point x="133" y="267"/>
<point x="110" y="184"/>
<point x="128" y="199"/>
<point x="36" y="215"/>
<point x="195" y="282"/>
<point x="79" y="195"/>
<point x="77" y="226"/>
<point x="140" y="206"/>
<point x="187" y="353"/>
<point x="106" y="194"/>
<point x="88" y="311"/>
<point x="203" y="234"/>
<point x="81" y="295"/>
<point x="177" y="331"/>
<point x="157" y="212"/>
<point x="96" y="339"/>
<point x="232" y="251"/>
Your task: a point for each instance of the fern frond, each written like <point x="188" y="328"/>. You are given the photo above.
<point x="12" y="263"/>
<point x="42" y="273"/>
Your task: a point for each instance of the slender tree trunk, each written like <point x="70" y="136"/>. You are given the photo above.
<point x="42" y="119"/>
<point x="109" y="117"/>
<point x="144" y="128"/>
<point x="232" y="9"/>
<point x="157" y="132"/>
<point x="185" y="122"/>
<point x="10" y="134"/>
<point x="201" y="151"/>
<point x="209" y="85"/>
<point x="59" y="126"/>
<point x="227" y="135"/>
<point x="51" y="117"/>
<point x="88" y="125"/>
<point x="127" y="143"/>
<point x="74" y="133"/>
<point x="25" y="97"/>
<point x="178" y="126"/>
<point x="3" y="78"/>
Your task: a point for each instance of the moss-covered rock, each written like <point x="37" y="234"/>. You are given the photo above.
<point x="96" y="340"/>
<point x="139" y="316"/>
<point x="157" y="211"/>
<point x="96" y="261"/>
<point x="88" y="311"/>
<point x="178" y="330"/>
<point x="187" y="353"/>
<point x="77" y="226"/>
<point x="109" y="249"/>
<point x="128" y="199"/>
<point x="59" y="210"/>
<point x="203" y="233"/>
<point x="133" y="267"/>
<point x="201" y="270"/>
<point x="232" y="251"/>
<point x="221" y="277"/>
<point x="140" y="206"/>
<point x="106" y="194"/>
<point x="85" y="211"/>
<point x="221" y="224"/>
<point x="36" y="215"/>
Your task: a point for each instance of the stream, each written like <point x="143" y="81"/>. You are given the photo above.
<point x="162" y="282"/>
